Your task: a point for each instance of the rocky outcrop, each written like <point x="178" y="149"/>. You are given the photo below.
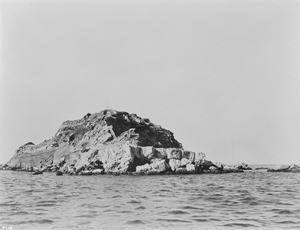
<point x="110" y="142"/>
<point x="261" y="168"/>
<point x="290" y="168"/>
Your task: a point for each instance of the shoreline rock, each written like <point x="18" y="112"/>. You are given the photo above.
<point x="262" y="168"/>
<point x="37" y="172"/>
<point x="290" y="168"/>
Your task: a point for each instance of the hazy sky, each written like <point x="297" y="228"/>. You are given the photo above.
<point x="223" y="75"/>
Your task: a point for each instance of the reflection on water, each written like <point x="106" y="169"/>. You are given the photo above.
<point x="226" y="201"/>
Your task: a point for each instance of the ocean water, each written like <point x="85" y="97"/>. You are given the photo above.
<point x="250" y="200"/>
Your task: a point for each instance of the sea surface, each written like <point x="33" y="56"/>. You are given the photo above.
<point x="249" y="200"/>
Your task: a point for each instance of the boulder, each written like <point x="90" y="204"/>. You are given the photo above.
<point x="243" y="166"/>
<point x="97" y="171"/>
<point x="35" y="169"/>
<point x="159" y="165"/>
<point x="173" y="153"/>
<point x="181" y="170"/>
<point x="190" y="156"/>
<point x="174" y="164"/>
<point x="86" y="173"/>
<point x="184" y="162"/>
<point x="231" y="169"/>
<point x="160" y="153"/>
<point x="148" y="152"/>
<point x="206" y="165"/>
<point x="30" y="168"/>
<point x="65" y="168"/>
<point x="143" y="168"/>
<point x="294" y="168"/>
<point x="71" y="171"/>
<point x="218" y="165"/>
<point x="130" y="159"/>
<point x="213" y="169"/>
<point x="190" y="167"/>
<point x="199" y="158"/>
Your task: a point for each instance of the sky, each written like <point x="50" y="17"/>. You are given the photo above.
<point x="222" y="75"/>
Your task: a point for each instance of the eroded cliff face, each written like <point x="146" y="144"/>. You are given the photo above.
<point x="109" y="142"/>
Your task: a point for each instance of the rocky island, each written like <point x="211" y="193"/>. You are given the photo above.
<point x="112" y="142"/>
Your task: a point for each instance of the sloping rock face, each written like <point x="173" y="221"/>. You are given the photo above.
<point x="108" y="142"/>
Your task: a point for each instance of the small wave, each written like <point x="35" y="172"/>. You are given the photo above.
<point x="285" y="212"/>
<point x="46" y="203"/>
<point x="42" y="221"/>
<point x="218" y="195"/>
<point x="253" y="203"/>
<point x="200" y="220"/>
<point x="140" y="208"/>
<point x="30" y="191"/>
<point x="85" y="216"/>
<point x="248" y="219"/>
<point x="9" y="204"/>
<point x="125" y="211"/>
<point x="281" y="211"/>
<point x="284" y="203"/>
<point x="239" y="225"/>
<point x="142" y="197"/>
<point x="162" y="195"/>
<point x="211" y="184"/>
<point x="173" y="220"/>
<point x="19" y="213"/>
<point x="214" y="219"/>
<point x="116" y="196"/>
<point x="297" y="211"/>
<point x="286" y="222"/>
<point x="164" y="190"/>
<point x="178" y="212"/>
<point x="133" y="202"/>
<point x="189" y="207"/>
<point x="135" y="222"/>
<point x="243" y="191"/>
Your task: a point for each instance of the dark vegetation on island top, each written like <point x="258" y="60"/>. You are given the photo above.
<point x="113" y="142"/>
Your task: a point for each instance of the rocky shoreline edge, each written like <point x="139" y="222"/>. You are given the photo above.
<point x="164" y="169"/>
<point x="207" y="168"/>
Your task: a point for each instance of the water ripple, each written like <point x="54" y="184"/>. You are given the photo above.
<point x="225" y="201"/>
